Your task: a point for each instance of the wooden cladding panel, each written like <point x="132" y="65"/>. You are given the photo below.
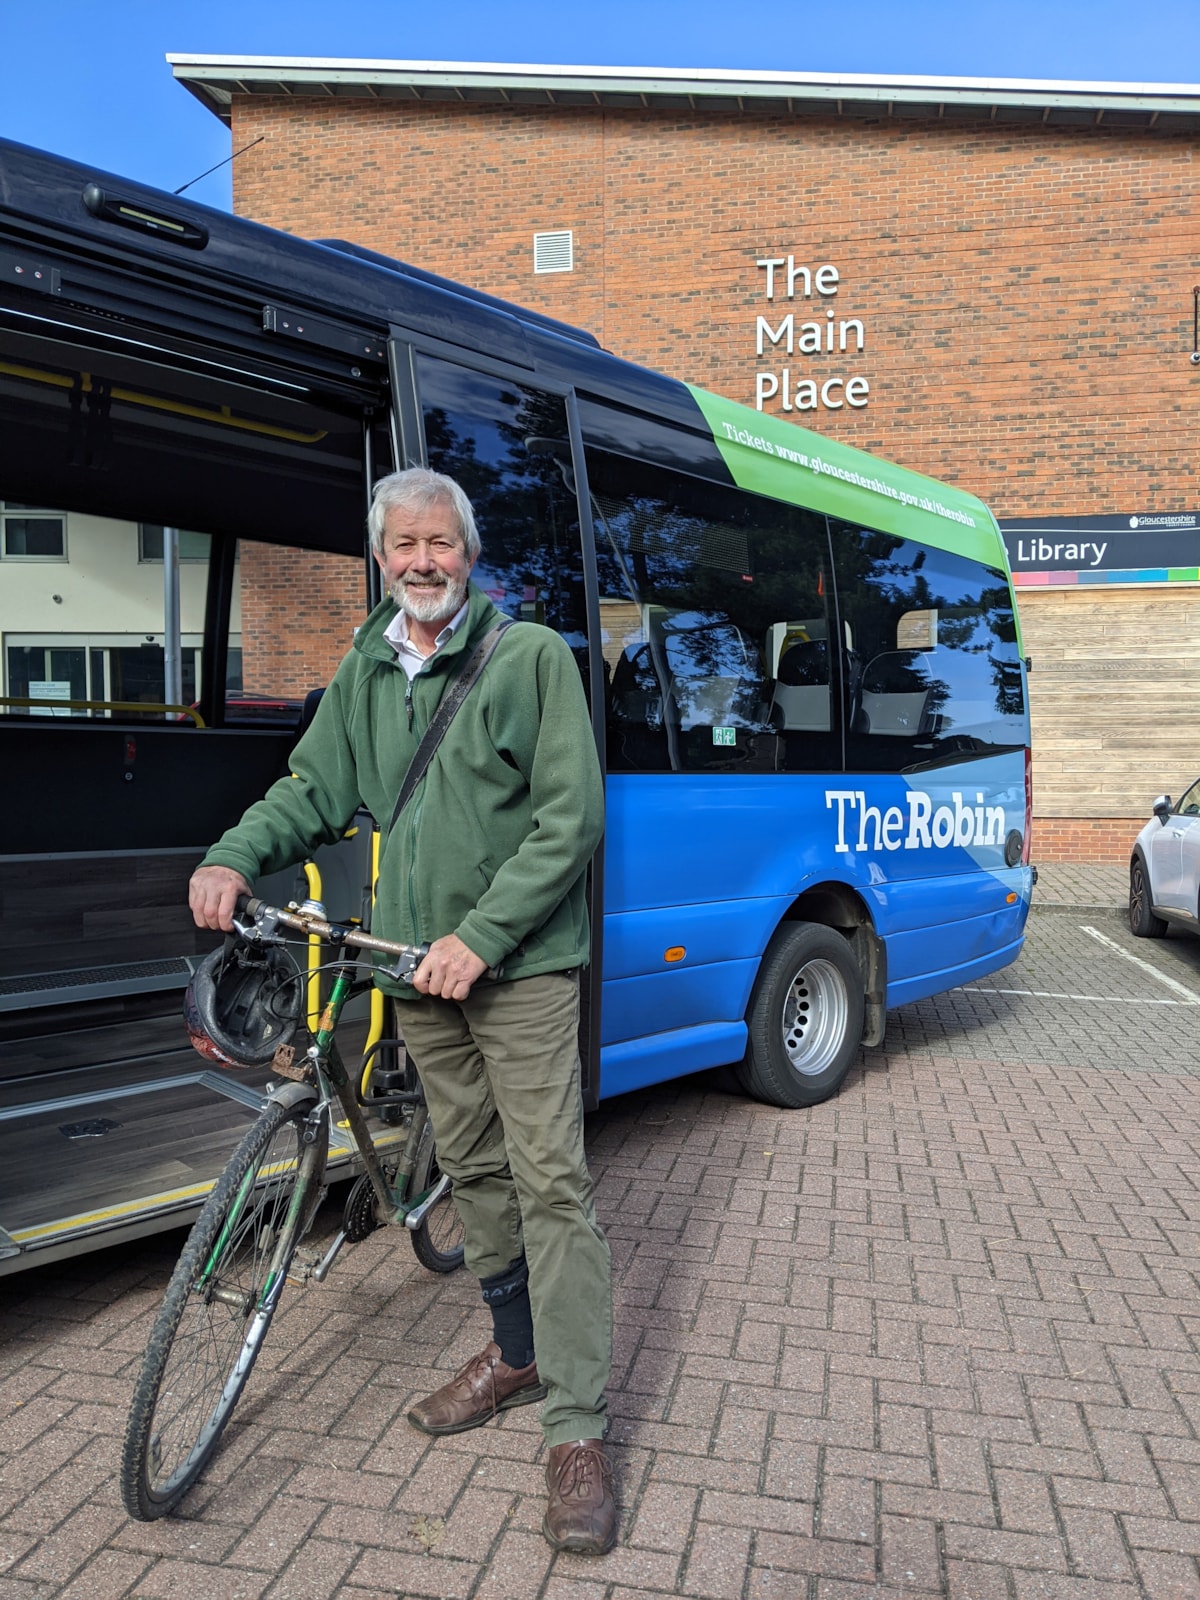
<point x="1114" y="697"/>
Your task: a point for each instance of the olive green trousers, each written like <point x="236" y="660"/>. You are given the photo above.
<point x="501" y="1075"/>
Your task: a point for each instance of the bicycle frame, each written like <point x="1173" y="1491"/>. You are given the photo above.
<point x="320" y="1076"/>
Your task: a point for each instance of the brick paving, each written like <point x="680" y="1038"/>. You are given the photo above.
<point x="937" y="1337"/>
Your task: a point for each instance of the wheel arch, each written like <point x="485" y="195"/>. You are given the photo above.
<point x="836" y="905"/>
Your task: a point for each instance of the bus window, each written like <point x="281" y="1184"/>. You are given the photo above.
<point x="931" y="665"/>
<point x="507" y="445"/>
<point x="713" y="605"/>
<point x="87" y="635"/>
<point x="292" y="619"/>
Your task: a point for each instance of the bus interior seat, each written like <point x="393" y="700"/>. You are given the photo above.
<point x="895" y="693"/>
<point x="800" y="699"/>
<point x="635" y="690"/>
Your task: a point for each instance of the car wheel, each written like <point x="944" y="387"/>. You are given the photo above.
<point x="805" y="1019"/>
<point x="1142" y="920"/>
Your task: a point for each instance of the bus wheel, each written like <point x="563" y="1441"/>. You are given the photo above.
<point x="805" y="1018"/>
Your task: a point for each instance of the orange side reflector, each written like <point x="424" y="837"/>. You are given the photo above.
<point x="675" y="953"/>
<point x="1010" y="899"/>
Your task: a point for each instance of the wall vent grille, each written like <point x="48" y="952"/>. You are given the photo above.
<point x="554" y="252"/>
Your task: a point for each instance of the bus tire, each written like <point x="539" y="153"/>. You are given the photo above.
<point x="805" y="1018"/>
<point x="1143" y="924"/>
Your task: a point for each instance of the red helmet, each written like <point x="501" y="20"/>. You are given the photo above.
<point x="242" y="1004"/>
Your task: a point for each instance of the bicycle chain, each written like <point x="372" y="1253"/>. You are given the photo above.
<point x="359" y="1218"/>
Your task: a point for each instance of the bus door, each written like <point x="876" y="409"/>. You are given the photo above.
<point x="512" y="442"/>
<point x="181" y="563"/>
<point x="716" y="612"/>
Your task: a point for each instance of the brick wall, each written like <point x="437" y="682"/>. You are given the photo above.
<point x="1100" y="841"/>
<point x="299" y="612"/>
<point x="1026" y="296"/>
<point x="1025" y="292"/>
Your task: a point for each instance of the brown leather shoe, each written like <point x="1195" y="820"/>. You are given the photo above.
<point x="581" y="1515"/>
<point x="474" y="1395"/>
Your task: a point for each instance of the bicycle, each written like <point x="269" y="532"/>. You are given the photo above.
<point x="246" y="1243"/>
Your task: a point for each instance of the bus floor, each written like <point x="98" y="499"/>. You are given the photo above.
<point x="92" y="1155"/>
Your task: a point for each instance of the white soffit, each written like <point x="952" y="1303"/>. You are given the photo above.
<point x="1165" y="107"/>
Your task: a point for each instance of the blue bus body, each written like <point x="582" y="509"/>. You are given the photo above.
<point x="716" y="869"/>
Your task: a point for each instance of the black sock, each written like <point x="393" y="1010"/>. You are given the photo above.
<point x="507" y="1297"/>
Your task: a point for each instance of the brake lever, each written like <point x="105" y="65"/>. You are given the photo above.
<point x="259" y="929"/>
<point x="404" y="969"/>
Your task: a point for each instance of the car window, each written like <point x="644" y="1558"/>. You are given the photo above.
<point x="1189" y="806"/>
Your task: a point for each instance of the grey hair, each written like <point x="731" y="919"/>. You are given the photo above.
<point x="419" y="489"/>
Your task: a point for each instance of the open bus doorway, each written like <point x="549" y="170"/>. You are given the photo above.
<point x="126" y="775"/>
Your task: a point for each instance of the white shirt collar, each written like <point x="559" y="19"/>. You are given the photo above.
<point x="409" y="657"/>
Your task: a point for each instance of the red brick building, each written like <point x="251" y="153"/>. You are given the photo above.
<point x="989" y="282"/>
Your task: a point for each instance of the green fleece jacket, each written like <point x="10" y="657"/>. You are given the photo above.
<point x="494" y="843"/>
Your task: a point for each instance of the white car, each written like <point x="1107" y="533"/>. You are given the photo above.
<point x="1164" y="870"/>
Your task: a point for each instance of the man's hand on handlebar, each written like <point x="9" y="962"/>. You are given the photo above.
<point x="213" y="895"/>
<point x="449" y="970"/>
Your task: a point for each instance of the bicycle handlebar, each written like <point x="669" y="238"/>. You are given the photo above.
<point x="334" y="932"/>
<point x="409" y="956"/>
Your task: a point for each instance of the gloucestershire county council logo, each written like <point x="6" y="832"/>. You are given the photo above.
<point x="1133" y="522"/>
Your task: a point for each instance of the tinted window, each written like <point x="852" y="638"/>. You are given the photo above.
<point x="932" y="669"/>
<point x="292" y="619"/>
<point x="508" y="447"/>
<point x="714" y="624"/>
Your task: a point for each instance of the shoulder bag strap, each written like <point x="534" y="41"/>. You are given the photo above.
<point x="445" y="714"/>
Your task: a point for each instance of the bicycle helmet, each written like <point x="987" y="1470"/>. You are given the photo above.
<point x="242" y="1004"/>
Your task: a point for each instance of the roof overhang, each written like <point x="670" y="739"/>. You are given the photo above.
<point x="1165" y="107"/>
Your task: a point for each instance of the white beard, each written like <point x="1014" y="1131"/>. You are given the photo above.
<point x="430" y="604"/>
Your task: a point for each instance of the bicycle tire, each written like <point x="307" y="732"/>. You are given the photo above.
<point x="438" y="1242"/>
<point x="202" y="1348"/>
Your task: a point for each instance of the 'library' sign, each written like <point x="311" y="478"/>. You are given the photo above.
<point x="1129" y="547"/>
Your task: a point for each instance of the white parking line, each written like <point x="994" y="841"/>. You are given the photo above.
<point x="1092" y="999"/>
<point x="1189" y="995"/>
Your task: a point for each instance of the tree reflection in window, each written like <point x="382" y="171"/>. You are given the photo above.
<point x="702" y="589"/>
<point x="508" y="448"/>
<point x="931" y="659"/>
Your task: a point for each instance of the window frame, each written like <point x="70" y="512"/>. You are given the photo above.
<point x="23" y="513"/>
<point x="143" y="560"/>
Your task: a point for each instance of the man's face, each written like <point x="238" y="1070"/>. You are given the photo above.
<point x="424" y="564"/>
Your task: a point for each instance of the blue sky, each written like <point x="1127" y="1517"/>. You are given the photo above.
<point x="87" y="78"/>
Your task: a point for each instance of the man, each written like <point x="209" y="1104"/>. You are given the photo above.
<point x="487" y="861"/>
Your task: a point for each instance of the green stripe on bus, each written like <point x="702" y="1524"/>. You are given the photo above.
<point x="768" y="456"/>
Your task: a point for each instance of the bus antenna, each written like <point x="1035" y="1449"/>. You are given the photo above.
<point x="224" y="163"/>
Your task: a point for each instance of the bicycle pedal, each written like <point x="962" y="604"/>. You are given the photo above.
<point x="302" y="1266"/>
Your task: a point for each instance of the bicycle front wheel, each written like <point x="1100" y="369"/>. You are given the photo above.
<point x="215" y="1314"/>
<point x="438" y="1242"/>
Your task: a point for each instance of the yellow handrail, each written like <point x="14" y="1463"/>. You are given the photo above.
<point x="375" y="1031"/>
<point x="99" y="705"/>
<point x="313" y="877"/>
